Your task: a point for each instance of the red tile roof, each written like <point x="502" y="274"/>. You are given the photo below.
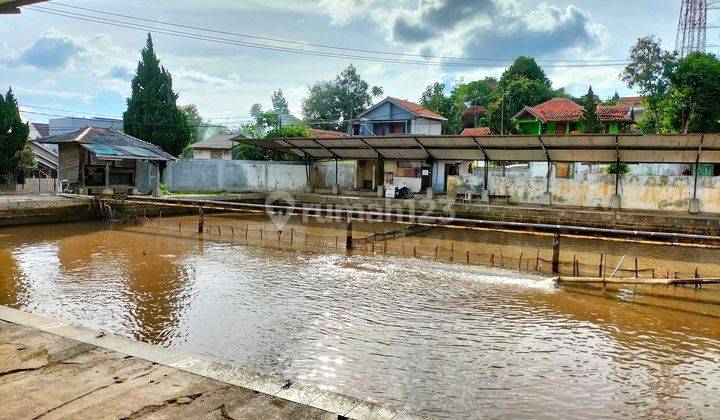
<point x="417" y="109"/>
<point x="614" y="113"/>
<point x="564" y="110"/>
<point x="326" y="133"/>
<point x="479" y="131"/>
<point x="630" y="100"/>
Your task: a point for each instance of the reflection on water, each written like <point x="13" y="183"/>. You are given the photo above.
<point x="450" y="340"/>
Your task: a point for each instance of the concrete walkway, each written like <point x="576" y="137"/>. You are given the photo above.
<point x="51" y="369"/>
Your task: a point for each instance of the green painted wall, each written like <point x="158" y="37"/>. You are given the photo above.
<point x="528" y="126"/>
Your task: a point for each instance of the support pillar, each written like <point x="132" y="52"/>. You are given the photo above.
<point x="107" y="190"/>
<point x="348" y="234"/>
<point x="547" y="195"/>
<point x="556" y="254"/>
<point x="694" y="202"/>
<point x="156" y="188"/>
<point x="336" y="188"/>
<point x="486" y="179"/>
<point x="201" y="220"/>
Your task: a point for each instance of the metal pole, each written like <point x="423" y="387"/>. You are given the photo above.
<point x="486" y="174"/>
<point x="337" y="184"/>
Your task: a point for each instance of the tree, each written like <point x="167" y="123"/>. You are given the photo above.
<point x="523" y="67"/>
<point x="649" y="72"/>
<point x="334" y="103"/>
<point x="376" y="92"/>
<point x="13" y="136"/>
<point x="195" y="122"/>
<point x="247" y="152"/>
<point x="693" y="102"/>
<point x="434" y="99"/>
<point x="152" y="114"/>
<point x="256" y="110"/>
<point x="279" y="103"/>
<point x="589" y="119"/>
<point x="519" y="93"/>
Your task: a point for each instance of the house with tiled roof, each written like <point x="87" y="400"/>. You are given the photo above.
<point x="636" y="102"/>
<point x="326" y="134"/>
<point x="562" y="116"/>
<point x="397" y="116"/>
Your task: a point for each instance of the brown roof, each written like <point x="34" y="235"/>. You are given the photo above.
<point x="614" y="113"/>
<point x="479" y="131"/>
<point x="563" y="110"/>
<point x="326" y="133"/>
<point x="416" y="108"/>
<point x="630" y="100"/>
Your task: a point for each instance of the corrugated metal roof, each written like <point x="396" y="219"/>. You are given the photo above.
<point x="704" y="148"/>
<point x="220" y="141"/>
<point x="110" y="143"/>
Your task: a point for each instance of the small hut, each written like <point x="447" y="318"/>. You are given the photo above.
<point x="96" y="160"/>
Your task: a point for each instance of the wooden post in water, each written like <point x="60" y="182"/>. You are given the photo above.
<point x="556" y="254"/>
<point x="348" y="234"/>
<point x="201" y="220"/>
<point x="520" y="261"/>
<point x="636" y="268"/>
<point x="600" y="266"/>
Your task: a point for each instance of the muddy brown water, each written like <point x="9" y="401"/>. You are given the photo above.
<point x="447" y="339"/>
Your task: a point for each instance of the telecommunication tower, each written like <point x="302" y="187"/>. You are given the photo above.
<point x="692" y="27"/>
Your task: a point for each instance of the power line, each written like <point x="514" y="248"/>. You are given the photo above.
<point x="246" y="117"/>
<point x="334" y="47"/>
<point x="226" y="41"/>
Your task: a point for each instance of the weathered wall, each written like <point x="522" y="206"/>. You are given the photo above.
<point x="594" y="190"/>
<point x="39" y="185"/>
<point x="242" y="175"/>
<point x="326" y="175"/>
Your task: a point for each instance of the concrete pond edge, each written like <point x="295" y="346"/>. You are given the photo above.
<point x="342" y="405"/>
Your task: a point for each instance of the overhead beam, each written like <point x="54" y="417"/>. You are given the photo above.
<point x="424" y="149"/>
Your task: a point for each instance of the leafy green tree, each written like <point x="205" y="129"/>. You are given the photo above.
<point x="334" y="103"/>
<point x="693" y="103"/>
<point x="152" y="114"/>
<point x="649" y="72"/>
<point x="477" y="92"/>
<point x="523" y="68"/>
<point x="434" y="99"/>
<point x="589" y="119"/>
<point x="519" y="93"/>
<point x="256" y="110"/>
<point x="247" y="152"/>
<point x="13" y="136"/>
<point x="279" y="103"/>
<point x="376" y="92"/>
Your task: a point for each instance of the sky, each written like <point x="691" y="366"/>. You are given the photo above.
<point x="85" y="67"/>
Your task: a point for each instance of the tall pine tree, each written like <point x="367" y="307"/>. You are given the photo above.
<point x="152" y="114"/>
<point x="590" y="121"/>
<point x="13" y="136"/>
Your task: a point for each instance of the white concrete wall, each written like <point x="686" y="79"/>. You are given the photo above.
<point x="242" y="175"/>
<point x="425" y="126"/>
<point x="207" y="154"/>
<point x="593" y="190"/>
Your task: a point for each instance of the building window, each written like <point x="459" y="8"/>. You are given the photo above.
<point x="216" y="154"/>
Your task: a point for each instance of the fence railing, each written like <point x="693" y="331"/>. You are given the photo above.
<point x="535" y="261"/>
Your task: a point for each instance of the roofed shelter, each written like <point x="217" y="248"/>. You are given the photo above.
<point x="12" y="7"/>
<point x="597" y="148"/>
<point x="562" y="116"/>
<point x="102" y="160"/>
